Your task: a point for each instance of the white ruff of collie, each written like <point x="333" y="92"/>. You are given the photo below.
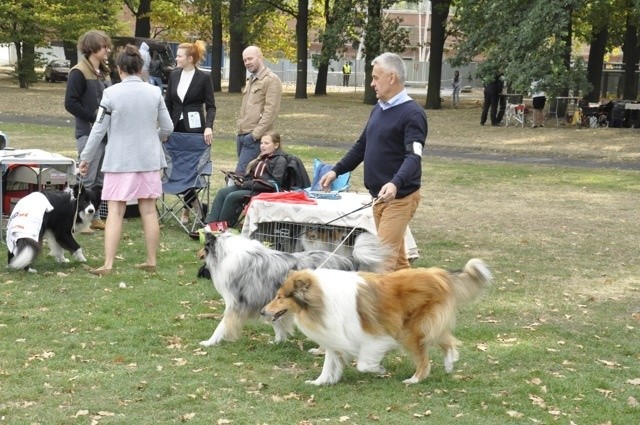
<point x="362" y="316"/>
<point x="247" y="275"/>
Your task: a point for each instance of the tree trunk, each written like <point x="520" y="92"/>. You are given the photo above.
<point x="143" y="22"/>
<point x="567" y="42"/>
<point x="302" y="41"/>
<point x="321" y="81"/>
<point x="596" y="60"/>
<point x="371" y="47"/>
<point x="440" y="13"/>
<point x="216" y="45"/>
<point x="237" y="71"/>
<point x="71" y="51"/>
<point x="325" y="54"/>
<point x="26" y="58"/>
<point x="630" y="55"/>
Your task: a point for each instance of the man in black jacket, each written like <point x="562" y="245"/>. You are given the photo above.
<point x="87" y="80"/>
<point x="492" y="92"/>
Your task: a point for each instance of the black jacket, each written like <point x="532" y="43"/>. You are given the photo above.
<point x="200" y="92"/>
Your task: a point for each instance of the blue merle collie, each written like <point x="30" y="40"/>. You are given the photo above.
<point x="53" y="215"/>
<point x="248" y="274"/>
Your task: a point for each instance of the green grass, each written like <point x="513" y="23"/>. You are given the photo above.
<point x="554" y="341"/>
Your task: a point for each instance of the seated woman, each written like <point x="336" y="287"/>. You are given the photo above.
<point x="264" y="173"/>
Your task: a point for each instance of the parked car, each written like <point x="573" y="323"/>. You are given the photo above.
<point x="161" y="47"/>
<point x="57" y="70"/>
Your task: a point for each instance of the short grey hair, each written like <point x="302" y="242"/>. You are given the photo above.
<point x="391" y="62"/>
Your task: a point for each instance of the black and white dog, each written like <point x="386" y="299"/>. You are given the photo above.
<point x="55" y="215"/>
<point x="247" y="275"/>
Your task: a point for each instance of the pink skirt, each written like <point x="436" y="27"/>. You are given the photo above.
<point x="131" y="186"/>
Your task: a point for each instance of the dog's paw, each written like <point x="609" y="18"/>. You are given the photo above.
<point x="317" y="382"/>
<point x="209" y="343"/>
<point x="61" y="259"/>
<point x="79" y="256"/>
<point x="30" y="270"/>
<point x="317" y="351"/>
<point x="412" y="380"/>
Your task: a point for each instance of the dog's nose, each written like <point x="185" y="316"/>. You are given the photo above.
<point x="262" y="312"/>
<point x="91" y="210"/>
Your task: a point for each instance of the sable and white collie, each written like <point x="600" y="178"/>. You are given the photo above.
<point x="54" y="215"/>
<point x="362" y="316"/>
<point x="247" y="275"/>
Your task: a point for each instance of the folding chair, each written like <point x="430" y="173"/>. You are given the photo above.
<point x="189" y="166"/>
<point x="593" y="116"/>
<point x="340" y="184"/>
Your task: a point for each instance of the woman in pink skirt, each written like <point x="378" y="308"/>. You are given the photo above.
<point x="136" y="118"/>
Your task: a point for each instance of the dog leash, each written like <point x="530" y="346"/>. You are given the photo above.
<point x="75" y="214"/>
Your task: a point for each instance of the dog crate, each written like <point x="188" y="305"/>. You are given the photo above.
<point x="297" y="237"/>
<point x="21" y="180"/>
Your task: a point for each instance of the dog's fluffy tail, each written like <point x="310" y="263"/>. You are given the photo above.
<point x="26" y="252"/>
<point x="469" y="283"/>
<point x="370" y="253"/>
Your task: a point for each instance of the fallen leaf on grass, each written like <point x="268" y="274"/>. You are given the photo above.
<point x="608" y="363"/>
<point x="187" y="417"/>
<point x="223" y="421"/>
<point x="537" y="401"/>
<point x="207" y="316"/>
<point x="605" y="393"/>
<point x="632" y="402"/>
<point x="482" y="347"/>
<point x="81" y="413"/>
<point x="514" y="414"/>
<point x="179" y="361"/>
<point x="344" y="418"/>
<point x="633" y="381"/>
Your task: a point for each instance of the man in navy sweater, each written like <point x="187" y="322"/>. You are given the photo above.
<point x="391" y="147"/>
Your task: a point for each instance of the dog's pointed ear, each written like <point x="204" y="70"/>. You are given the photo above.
<point x="75" y="189"/>
<point x="97" y="192"/>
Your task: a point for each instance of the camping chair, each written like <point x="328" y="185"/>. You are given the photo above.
<point x="340" y="184"/>
<point x="592" y="116"/>
<point x="188" y="167"/>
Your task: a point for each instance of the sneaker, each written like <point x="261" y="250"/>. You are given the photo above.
<point x="98" y="224"/>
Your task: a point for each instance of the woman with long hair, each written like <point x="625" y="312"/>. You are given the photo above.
<point x="191" y="104"/>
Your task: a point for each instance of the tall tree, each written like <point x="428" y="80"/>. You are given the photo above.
<point x="236" y="46"/>
<point x="531" y="41"/>
<point x="439" y="16"/>
<point x="341" y="20"/>
<point x="372" y="46"/>
<point x="141" y="10"/>
<point x="302" y="24"/>
<point x="33" y="23"/>
<point x="631" y="54"/>
<point x="216" y="44"/>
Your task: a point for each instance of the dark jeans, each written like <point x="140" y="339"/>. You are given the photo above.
<point x="228" y="204"/>
<point x="247" y="149"/>
<point x="491" y="100"/>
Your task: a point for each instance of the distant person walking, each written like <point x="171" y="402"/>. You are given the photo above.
<point x="492" y="92"/>
<point x="455" y="85"/>
<point x="346" y="73"/>
<point x="539" y="98"/>
<point x="260" y="106"/>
